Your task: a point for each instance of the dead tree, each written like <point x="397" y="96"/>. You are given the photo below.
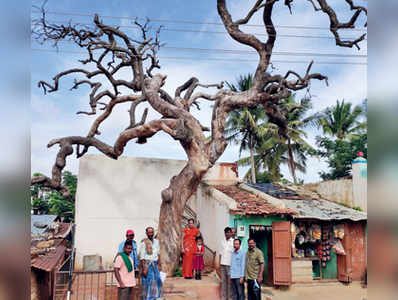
<point x="111" y="50"/>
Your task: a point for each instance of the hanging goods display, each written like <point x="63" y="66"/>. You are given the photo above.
<point x="338" y="247"/>
<point x="338" y="231"/>
<point x="316" y="232"/>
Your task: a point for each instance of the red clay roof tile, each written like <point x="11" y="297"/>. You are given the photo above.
<point x="250" y="204"/>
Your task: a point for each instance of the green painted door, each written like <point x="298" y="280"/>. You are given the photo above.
<point x="330" y="271"/>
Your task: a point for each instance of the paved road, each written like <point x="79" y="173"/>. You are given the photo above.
<point x="320" y="291"/>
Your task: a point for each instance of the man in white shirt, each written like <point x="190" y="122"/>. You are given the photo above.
<point x="227" y="246"/>
<point x="149" y="254"/>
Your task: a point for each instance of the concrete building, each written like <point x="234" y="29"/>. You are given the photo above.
<point x="115" y="195"/>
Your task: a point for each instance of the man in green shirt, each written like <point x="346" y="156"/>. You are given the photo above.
<point x="254" y="271"/>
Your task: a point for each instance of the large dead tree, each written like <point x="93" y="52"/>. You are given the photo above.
<point x="110" y="50"/>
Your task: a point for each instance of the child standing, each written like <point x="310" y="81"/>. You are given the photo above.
<point x="198" y="261"/>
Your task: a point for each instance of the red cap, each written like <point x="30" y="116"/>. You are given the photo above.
<point x="360" y="154"/>
<point x="129" y="232"/>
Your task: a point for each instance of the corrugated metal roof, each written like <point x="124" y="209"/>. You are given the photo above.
<point x="323" y="210"/>
<point x="250" y="204"/>
<point x="39" y="223"/>
<point x="309" y="207"/>
<point x="49" y="261"/>
<point x="63" y="230"/>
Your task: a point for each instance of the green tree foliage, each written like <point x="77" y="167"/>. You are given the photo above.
<point x="340" y="154"/>
<point x="52" y="202"/>
<point x="342" y="120"/>
<point x="244" y="127"/>
<point x="293" y="150"/>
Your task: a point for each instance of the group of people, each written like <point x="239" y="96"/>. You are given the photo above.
<point x="236" y="267"/>
<point x="131" y="261"/>
<point x="193" y="252"/>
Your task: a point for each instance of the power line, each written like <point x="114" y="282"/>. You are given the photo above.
<point x="217" y="59"/>
<point x="273" y="53"/>
<point x="189" y="22"/>
<point x="215" y="32"/>
<point x="283" y="53"/>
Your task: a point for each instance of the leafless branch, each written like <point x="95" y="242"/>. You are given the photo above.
<point x="335" y="24"/>
<point x="66" y="149"/>
<point x="259" y="4"/>
<point x="143" y="132"/>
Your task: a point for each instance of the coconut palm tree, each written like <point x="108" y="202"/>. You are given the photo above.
<point x="342" y="120"/>
<point x="292" y="149"/>
<point x="245" y="126"/>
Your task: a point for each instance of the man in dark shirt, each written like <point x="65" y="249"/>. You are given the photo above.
<point x="254" y="271"/>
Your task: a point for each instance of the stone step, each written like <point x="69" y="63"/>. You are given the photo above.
<point x="206" y="289"/>
<point x="181" y="296"/>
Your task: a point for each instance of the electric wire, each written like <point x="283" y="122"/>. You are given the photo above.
<point x="219" y="59"/>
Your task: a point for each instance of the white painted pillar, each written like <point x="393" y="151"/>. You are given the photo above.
<point x="359" y="181"/>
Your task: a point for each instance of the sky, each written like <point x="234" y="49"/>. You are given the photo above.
<point x="54" y="115"/>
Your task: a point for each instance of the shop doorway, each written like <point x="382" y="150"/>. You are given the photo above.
<point x="262" y="235"/>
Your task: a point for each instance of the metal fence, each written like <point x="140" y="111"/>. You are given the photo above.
<point x="89" y="285"/>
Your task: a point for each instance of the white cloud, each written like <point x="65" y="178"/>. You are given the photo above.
<point x="346" y="81"/>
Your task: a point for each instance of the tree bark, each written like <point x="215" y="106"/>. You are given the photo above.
<point x="291" y="161"/>
<point x="174" y="199"/>
<point x="177" y="121"/>
<point x="253" y="169"/>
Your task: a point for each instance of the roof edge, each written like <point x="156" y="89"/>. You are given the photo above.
<point x="272" y="200"/>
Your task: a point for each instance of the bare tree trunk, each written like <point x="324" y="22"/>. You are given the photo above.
<point x="253" y="169"/>
<point x="177" y="121"/>
<point x="174" y="199"/>
<point x="291" y="161"/>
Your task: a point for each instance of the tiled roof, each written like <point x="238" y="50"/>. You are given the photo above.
<point x="250" y="204"/>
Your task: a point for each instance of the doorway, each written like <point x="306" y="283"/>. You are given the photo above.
<point x="262" y="235"/>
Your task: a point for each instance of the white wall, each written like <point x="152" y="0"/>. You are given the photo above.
<point x="339" y="191"/>
<point x="352" y="192"/>
<point x="360" y="181"/>
<point x="115" y="195"/>
<point x="212" y="208"/>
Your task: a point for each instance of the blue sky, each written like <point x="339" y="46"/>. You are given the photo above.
<point x="53" y="115"/>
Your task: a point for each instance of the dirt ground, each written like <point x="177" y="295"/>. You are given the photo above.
<point x="319" y="291"/>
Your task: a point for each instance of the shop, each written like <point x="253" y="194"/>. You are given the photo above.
<point x="315" y="246"/>
<point x="303" y="240"/>
<point x="326" y="241"/>
<point x="256" y="218"/>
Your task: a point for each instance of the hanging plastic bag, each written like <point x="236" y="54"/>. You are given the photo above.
<point x="338" y="247"/>
<point x="300" y="239"/>
<point x="293" y="231"/>
<point x="316" y="232"/>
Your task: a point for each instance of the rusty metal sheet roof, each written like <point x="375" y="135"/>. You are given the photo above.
<point x="63" y="230"/>
<point x="308" y="206"/>
<point x="50" y="260"/>
<point x="250" y="204"/>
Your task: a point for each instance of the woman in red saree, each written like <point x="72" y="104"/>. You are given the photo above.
<point x="189" y="248"/>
